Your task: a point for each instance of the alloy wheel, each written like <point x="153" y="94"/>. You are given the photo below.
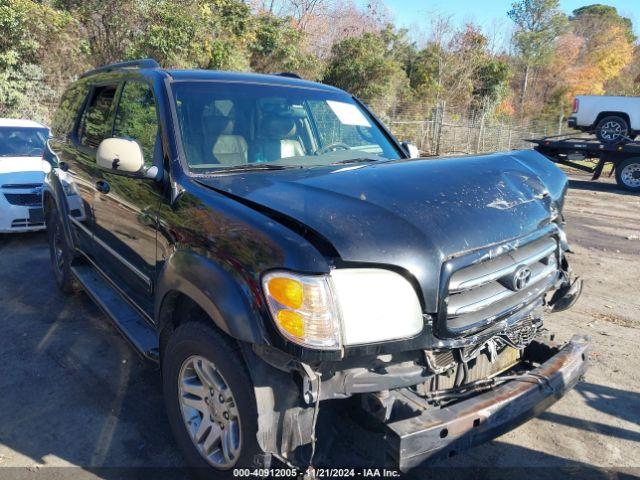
<point x="630" y="175"/>
<point x="209" y="412"/>
<point x="613" y="130"/>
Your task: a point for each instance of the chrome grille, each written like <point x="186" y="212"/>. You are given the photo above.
<point x="480" y="293"/>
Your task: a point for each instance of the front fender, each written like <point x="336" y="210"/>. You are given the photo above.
<point x="52" y="188"/>
<point x="554" y="180"/>
<point x="228" y="302"/>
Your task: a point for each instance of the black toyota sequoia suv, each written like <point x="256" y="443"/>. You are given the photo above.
<point x="272" y="246"/>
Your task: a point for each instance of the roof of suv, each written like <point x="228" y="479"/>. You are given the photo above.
<point x="148" y="66"/>
<point x="242" y="77"/>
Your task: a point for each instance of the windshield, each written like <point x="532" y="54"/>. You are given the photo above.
<point x="226" y="125"/>
<point x="22" y="141"/>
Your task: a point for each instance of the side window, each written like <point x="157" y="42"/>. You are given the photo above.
<point x="96" y="121"/>
<point x="332" y="129"/>
<point x="136" y="117"/>
<point x="67" y="112"/>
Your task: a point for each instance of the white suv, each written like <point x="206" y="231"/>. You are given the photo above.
<point x="22" y="171"/>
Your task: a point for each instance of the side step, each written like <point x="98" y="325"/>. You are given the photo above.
<point x="130" y="323"/>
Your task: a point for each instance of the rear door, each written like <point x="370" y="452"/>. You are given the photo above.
<point x="76" y="154"/>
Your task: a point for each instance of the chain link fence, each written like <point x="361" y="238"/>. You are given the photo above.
<point x="452" y="133"/>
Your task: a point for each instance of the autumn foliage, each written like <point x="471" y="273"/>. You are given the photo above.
<point x="549" y="58"/>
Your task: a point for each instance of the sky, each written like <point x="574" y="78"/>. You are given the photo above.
<point x="489" y="14"/>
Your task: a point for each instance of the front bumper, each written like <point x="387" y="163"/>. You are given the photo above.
<point x="440" y="433"/>
<point x="19" y="218"/>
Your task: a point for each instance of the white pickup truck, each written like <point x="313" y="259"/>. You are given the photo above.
<point x="612" y="119"/>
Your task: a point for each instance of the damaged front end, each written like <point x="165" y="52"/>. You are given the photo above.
<point x="439" y="424"/>
<point x="483" y="364"/>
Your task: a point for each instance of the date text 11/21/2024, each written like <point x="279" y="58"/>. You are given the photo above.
<point x="317" y="473"/>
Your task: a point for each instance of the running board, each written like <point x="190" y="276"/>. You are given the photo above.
<point x="130" y="323"/>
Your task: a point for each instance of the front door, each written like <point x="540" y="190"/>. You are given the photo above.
<point x="126" y="209"/>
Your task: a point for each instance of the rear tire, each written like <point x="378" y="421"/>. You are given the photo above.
<point x="612" y="130"/>
<point x="210" y="401"/>
<point x="60" y="253"/>
<point x="628" y="174"/>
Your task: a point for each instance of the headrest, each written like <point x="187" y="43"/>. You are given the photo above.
<point x="277" y="127"/>
<point x="218" y="125"/>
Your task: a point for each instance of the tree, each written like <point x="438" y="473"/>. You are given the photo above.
<point x="170" y="32"/>
<point x="32" y="36"/>
<point x="107" y="28"/>
<point x="595" y="17"/>
<point x="628" y="82"/>
<point x="276" y="47"/>
<point x="491" y="81"/>
<point x="45" y="44"/>
<point x="588" y="60"/>
<point x="608" y="42"/>
<point x="364" y="66"/>
<point x="326" y="22"/>
<point x="456" y="67"/>
<point x="538" y="24"/>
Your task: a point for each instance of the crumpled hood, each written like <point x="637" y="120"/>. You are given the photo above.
<point x="19" y="170"/>
<point x="411" y="214"/>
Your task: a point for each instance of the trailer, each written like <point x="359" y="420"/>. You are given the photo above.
<point x="590" y="155"/>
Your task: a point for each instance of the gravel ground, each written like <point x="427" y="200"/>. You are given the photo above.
<point x="73" y="394"/>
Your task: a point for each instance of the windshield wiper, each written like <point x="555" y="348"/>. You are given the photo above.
<point x="357" y="160"/>
<point x="251" y="167"/>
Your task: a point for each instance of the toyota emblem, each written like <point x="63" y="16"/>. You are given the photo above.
<point x="520" y="278"/>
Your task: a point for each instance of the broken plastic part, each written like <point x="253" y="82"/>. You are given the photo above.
<point x="310" y="384"/>
<point x="566" y="296"/>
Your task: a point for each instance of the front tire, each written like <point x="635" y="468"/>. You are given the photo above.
<point x="60" y="253"/>
<point x="612" y="130"/>
<point x="210" y="401"/>
<point x="628" y="174"/>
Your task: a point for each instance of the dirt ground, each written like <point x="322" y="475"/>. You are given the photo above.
<point x="73" y="394"/>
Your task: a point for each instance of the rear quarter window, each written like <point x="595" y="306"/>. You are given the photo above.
<point x="68" y="111"/>
<point x="97" y="119"/>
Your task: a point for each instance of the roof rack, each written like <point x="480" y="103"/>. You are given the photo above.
<point x="287" y="74"/>
<point x="141" y="63"/>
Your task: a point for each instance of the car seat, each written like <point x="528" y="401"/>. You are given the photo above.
<point x="277" y="134"/>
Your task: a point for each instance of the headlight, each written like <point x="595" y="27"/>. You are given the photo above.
<point x="349" y="306"/>
<point x="69" y="189"/>
<point x="376" y="305"/>
<point x="303" y="309"/>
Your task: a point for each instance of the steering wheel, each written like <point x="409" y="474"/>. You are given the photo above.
<point x="332" y="147"/>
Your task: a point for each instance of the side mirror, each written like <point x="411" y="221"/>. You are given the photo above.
<point x="411" y="149"/>
<point x="120" y="155"/>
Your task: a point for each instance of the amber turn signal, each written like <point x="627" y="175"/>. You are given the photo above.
<point x="287" y="291"/>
